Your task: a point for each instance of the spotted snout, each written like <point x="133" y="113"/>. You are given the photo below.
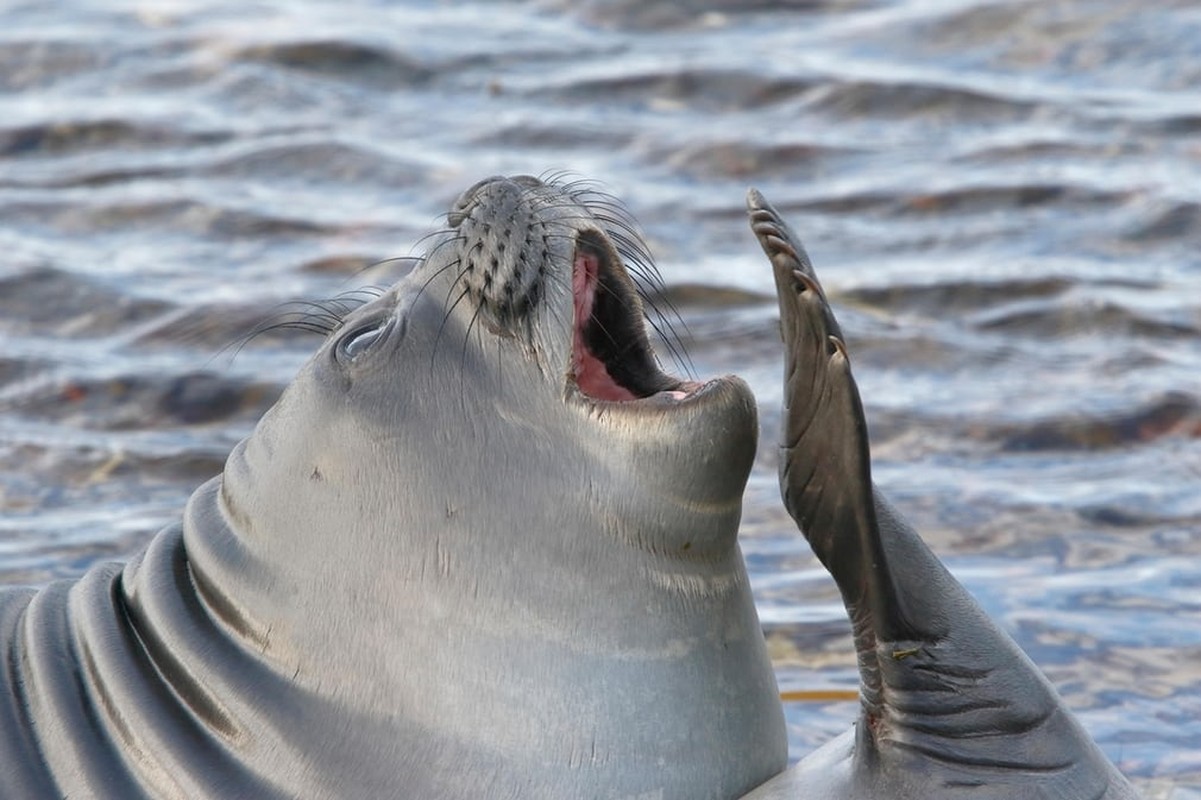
<point x="504" y="249"/>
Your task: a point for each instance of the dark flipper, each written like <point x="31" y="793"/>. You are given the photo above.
<point x="946" y="694"/>
<point x="825" y="469"/>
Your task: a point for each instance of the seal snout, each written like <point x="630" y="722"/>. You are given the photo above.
<point x="504" y="250"/>
<point x="518" y="238"/>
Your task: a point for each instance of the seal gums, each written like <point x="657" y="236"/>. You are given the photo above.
<point x="611" y="356"/>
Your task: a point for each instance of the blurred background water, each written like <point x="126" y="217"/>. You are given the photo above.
<point x="1002" y="198"/>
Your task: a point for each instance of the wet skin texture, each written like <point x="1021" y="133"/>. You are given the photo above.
<point x="481" y="547"/>
<point x="484" y="547"/>
<point x="951" y="707"/>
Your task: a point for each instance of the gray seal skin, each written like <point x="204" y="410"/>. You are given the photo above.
<point x="481" y="547"/>
<point x="951" y="706"/>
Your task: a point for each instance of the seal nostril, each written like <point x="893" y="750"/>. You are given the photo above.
<point x="461" y="210"/>
<point x="467" y="201"/>
<point x="527" y="181"/>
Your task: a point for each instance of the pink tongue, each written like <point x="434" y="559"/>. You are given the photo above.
<point x="590" y="373"/>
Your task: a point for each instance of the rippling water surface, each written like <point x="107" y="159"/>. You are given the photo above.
<point x="1003" y="199"/>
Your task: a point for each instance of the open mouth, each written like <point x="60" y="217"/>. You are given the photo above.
<point x="611" y="356"/>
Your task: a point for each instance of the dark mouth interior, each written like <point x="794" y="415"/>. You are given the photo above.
<point x="611" y="357"/>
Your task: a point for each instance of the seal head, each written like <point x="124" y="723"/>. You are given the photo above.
<point x="482" y="546"/>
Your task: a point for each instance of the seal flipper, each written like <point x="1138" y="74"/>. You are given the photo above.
<point x="951" y="705"/>
<point x="825" y="471"/>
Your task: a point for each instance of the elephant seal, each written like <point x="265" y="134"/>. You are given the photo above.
<point x="481" y="547"/>
<point x="951" y="706"/>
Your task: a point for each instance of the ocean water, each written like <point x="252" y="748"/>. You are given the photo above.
<point x="1003" y="200"/>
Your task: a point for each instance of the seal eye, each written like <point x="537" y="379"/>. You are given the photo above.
<point x="360" y="339"/>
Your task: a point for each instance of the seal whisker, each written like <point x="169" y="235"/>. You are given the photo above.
<point x="652" y="288"/>
<point x="500" y="367"/>
<point x="416" y="261"/>
<point x="394" y="260"/>
<point x="671" y="338"/>
<point x="434" y="234"/>
<point x="449" y="265"/>
<point x="674" y="344"/>
<point x="263" y="327"/>
<point x="466" y="267"/>
<point x="463" y="356"/>
<point x="554" y="311"/>
<point x="643" y="273"/>
<point x="558" y="178"/>
<point x="458" y="238"/>
<point x="321" y="317"/>
<point x="442" y="327"/>
<point x="434" y="252"/>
